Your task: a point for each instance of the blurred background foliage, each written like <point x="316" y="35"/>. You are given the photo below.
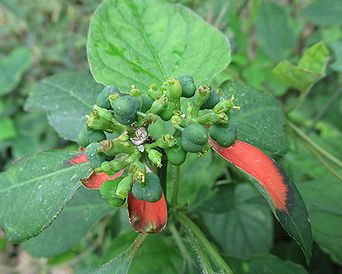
<point x="42" y="38"/>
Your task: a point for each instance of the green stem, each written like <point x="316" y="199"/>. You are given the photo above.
<point x="141" y="114"/>
<point x="216" y="257"/>
<point x="315" y="146"/>
<point x="176" y="175"/>
<point x="300" y="100"/>
<point x="324" y="163"/>
<point x="139" y="240"/>
<point x="162" y="173"/>
<point x="180" y="244"/>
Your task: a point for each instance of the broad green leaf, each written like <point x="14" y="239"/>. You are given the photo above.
<point x="7" y="129"/>
<point x="157" y="254"/>
<point x="295" y="76"/>
<point x="34" y="191"/>
<point x="121" y="263"/>
<point x="143" y="42"/>
<point x="324" y="12"/>
<point x="323" y="200"/>
<point x="274" y="32"/>
<point x="84" y="210"/>
<point x="265" y="264"/>
<point x="260" y="121"/>
<point x="66" y="98"/>
<point x="337" y="48"/>
<point x="310" y="69"/>
<point x="242" y="228"/>
<point x="12" y="68"/>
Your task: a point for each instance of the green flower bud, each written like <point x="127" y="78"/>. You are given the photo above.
<point x="155" y="156"/>
<point x="102" y="99"/>
<point x="158" y="105"/>
<point x="173" y="89"/>
<point x="107" y="191"/>
<point x="114" y="166"/>
<point x="167" y="112"/>
<point x="102" y="119"/>
<point x="224" y="135"/>
<point x="224" y="106"/>
<point x="194" y="137"/>
<point x="188" y="85"/>
<point x="166" y="141"/>
<point x="95" y="157"/>
<point x="200" y="98"/>
<point x="116" y="146"/>
<point x="154" y="92"/>
<point x="88" y="136"/>
<point x="150" y="190"/>
<point x="125" y="109"/>
<point x="124" y="187"/>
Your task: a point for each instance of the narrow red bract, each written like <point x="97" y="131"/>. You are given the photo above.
<point x="95" y="180"/>
<point x="257" y="164"/>
<point x="147" y="216"/>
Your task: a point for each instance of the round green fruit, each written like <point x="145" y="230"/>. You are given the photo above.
<point x="213" y="99"/>
<point x="150" y="190"/>
<point x="225" y="135"/>
<point x="102" y="98"/>
<point x="176" y="155"/>
<point x="188" y="85"/>
<point x="194" y="137"/>
<point x="125" y="109"/>
<point x="88" y="136"/>
<point x="146" y="103"/>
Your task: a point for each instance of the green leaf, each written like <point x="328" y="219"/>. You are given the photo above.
<point x="274" y="32"/>
<point x="242" y="228"/>
<point x="12" y="68"/>
<point x="143" y="42"/>
<point x="66" y="98"/>
<point x="35" y="190"/>
<point x="265" y="264"/>
<point x="324" y="12"/>
<point x="7" y="130"/>
<point x="260" y="121"/>
<point x="337" y="48"/>
<point x="157" y="255"/>
<point x="84" y="210"/>
<point x="323" y="200"/>
<point x="121" y="263"/>
<point x="310" y="69"/>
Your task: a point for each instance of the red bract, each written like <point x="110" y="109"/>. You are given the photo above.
<point x="95" y="180"/>
<point x="254" y="162"/>
<point x="150" y="217"/>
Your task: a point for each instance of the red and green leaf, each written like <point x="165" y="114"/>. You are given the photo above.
<point x="272" y="182"/>
<point x="35" y="190"/>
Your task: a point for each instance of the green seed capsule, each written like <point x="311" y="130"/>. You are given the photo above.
<point x="102" y="99"/>
<point x="167" y="113"/>
<point x="88" y="136"/>
<point x="150" y="190"/>
<point x="107" y="191"/>
<point x="224" y="135"/>
<point x="95" y="158"/>
<point x="176" y="155"/>
<point x="188" y="85"/>
<point x="194" y="137"/>
<point x="146" y="103"/>
<point x="125" y="109"/>
<point x="213" y="99"/>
